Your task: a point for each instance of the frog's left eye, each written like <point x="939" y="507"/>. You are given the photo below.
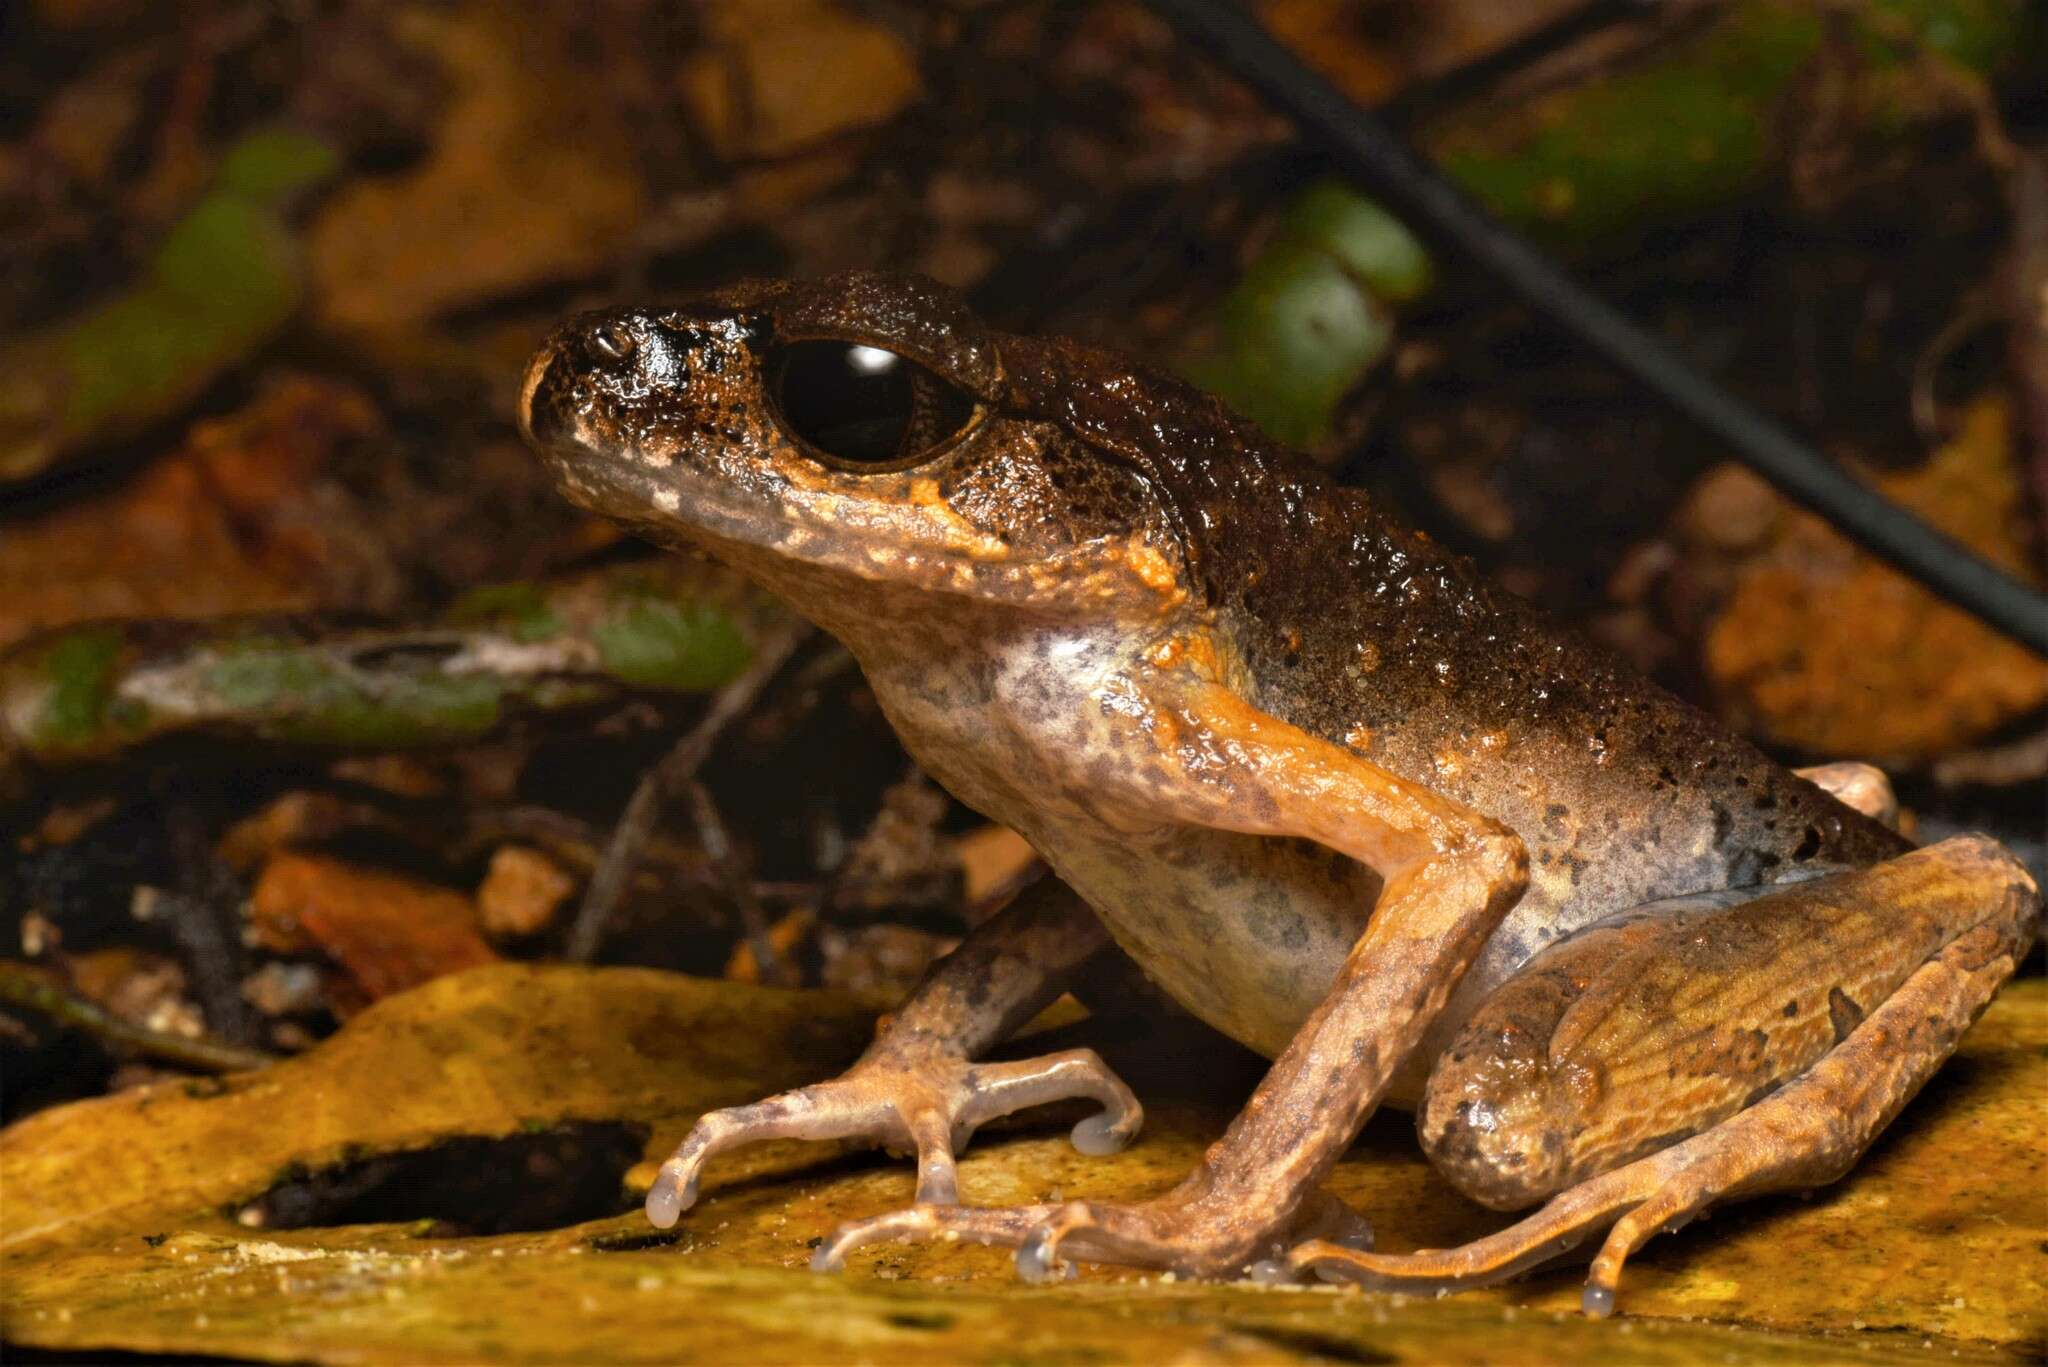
<point x="862" y="408"/>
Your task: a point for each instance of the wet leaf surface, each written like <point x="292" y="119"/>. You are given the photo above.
<point x="120" y="1225"/>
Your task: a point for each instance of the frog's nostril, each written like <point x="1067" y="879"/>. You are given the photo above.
<point x="613" y="341"/>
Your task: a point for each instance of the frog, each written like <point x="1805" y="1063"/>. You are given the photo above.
<point x="1326" y="786"/>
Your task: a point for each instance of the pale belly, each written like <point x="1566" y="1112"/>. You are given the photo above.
<point x="1247" y="933"/>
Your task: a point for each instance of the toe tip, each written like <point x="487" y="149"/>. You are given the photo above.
<point x="668" y="1198"/>
<point x="1097" y="1138"/>
<point x="1036" y="1259"/>
<point x="1271" y="1272"/>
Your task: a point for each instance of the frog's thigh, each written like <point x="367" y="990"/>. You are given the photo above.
<point x="1745" y="1047"/>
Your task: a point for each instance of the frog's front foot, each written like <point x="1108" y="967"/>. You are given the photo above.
<point x="908" y="1099"/>
<point x="1189" y="1233"/>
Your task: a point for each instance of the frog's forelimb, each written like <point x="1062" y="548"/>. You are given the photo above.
<point x="916" y="1088"/>
<point x="1450" y="876"/>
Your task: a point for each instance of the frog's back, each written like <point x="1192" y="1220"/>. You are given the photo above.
<point x="1372" y="636"/>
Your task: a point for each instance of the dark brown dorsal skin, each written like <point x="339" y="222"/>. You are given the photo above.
<point x="1124" y="505"/>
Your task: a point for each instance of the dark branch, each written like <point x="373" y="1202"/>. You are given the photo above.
<point x="1381" y="162"/>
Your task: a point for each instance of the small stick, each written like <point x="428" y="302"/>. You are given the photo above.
<point x="734" y="879"/>
<point x="669" y="776"/>
<point x="22" y="986"/>
<point x="212" y="960"/>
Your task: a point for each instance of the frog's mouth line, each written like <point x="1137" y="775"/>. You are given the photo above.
<point x="679" y="505"/>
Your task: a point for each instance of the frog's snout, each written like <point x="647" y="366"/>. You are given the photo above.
<point x="596" y="364"/>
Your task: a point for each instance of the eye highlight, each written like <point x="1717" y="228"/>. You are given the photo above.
<point x="864" y="408"/>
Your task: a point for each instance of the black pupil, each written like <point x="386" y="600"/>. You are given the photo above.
<point x="863" y="405"/>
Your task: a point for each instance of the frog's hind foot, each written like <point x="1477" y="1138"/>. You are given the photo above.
<point x="1544" y="1238"/>
<point x="918" y="1103"/>
<point x="1171" y="1232"/>
<point x="1763" y="1149"/>
<point x="1805" y="1134"/>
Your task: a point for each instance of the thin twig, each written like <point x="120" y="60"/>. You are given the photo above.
<point x="26" y="987"/>
<point x="211" y="966"/>
<point x="203" y="917"/>
<point x="1469" y="82"/>
<point x="735" y="881"/>
<point x="1977" y="313"/>
<point x="658" y="785"/>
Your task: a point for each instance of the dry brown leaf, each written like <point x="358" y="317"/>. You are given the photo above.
<point x="521" y="891"/>
<point x="778" y="77"/>
<point x="523" y="142"/>
<point x="389" y="932"/>
<point x="233" y="521"/>
<point x="1820" y="647"/>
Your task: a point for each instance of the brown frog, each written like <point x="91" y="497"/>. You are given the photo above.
<point x="1328" y="788"/>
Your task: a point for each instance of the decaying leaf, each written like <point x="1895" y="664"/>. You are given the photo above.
<point x="523" y="142"/>
<point x="1822" y="648"/>
<point x="225" y="278"/>
<point x="778" y="77"/>
<point x="503" y="652"/>
<point x="390" y="932"/>
<point x="224" y="524"/>
<point x="521" y="892"/>
<point x="1690" y="127"/>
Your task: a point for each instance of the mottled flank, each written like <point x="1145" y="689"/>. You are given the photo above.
<point x="1324" y="784"/>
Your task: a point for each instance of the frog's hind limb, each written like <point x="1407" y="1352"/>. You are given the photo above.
<point x="1782" y="1034"/>
<point x="1209" y="759"/>
<point x="916" y="1087"/>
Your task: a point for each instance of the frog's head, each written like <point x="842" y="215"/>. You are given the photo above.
<point x="865" y="430"/>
